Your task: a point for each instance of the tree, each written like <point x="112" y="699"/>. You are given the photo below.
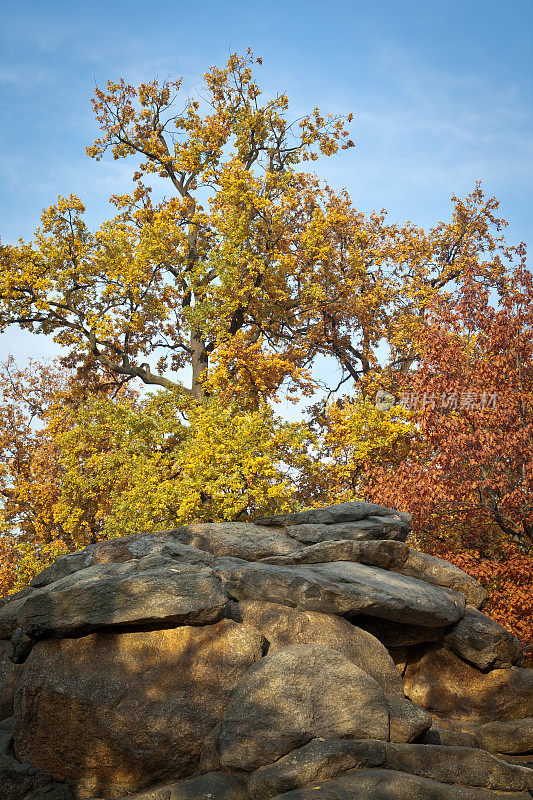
<point x="82" y="461"/>
<point x="251" y="269"/>
<point x="472" y="399"/>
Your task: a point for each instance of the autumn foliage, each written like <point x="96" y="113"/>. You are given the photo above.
<point x="227" y="274"/>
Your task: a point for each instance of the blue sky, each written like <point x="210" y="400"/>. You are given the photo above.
<point x="441" y="91"/>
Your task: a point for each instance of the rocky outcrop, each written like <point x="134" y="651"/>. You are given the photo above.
<point x="311" y="655"/>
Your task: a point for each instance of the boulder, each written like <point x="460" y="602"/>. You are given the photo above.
<point x="481" y="641"/>
<point x="237" y="539"/>
<point x="382" y="553"/>
<point x="294" y="695"/>
<point x="441" y="573"/>
<point x="366" y="529"/>
<point x="283" y="626"/>
<point x="63" y="567"/>
<point x="26" y="782"/>
<point x="467" y="766"/>
<point x="407" y="720"/>
<point x="510" y="737"/>
<point x="322" y="759"/>
<point x="9" y="677"/>
<point x="379" y="784"/>
<point x="440" y="681"/>
<point x="10" y="608"/>
<point x="448" y="737"/>
<point x="113" y="595"/>
<point x="341" y="588"/>
<point x="316" y="761"/>
<point x="211" y="786"/>
<point x="341" y="512"/>
<point x="116" y="712"/>
<point x="238" y="661"/>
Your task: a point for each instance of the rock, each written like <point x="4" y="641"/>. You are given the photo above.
<point x="316" y="761"/>
<point x="139" y="546"/>
<point x="210" y="757"/>
<point x="26" y="782"/>
<point x="106" y="595"/>
<point x="483" y="642"/>
<point x="6" y="736"/>
<point x="466" y="766"/>
<point x="211" y="786"/>
<point x="9" y="677"/>
<point x="379" y="784"/>
<point x="63" y="567"/>
<point x="236" y="539"/>
<point x="10" y="610"/>
<point x="131" y="708"/>
<point x="283" y="626"/>
<point x="393" y="635"/>
<point x="20" y="646"/>
<point x="449" y="738"/>
<point x="511" y="737"/>
<point x="341" y="512"/>
<point x="382" y="553"/>
<point x="443" y="683"/>
<point x="322" y="759"/>
<point x="407" y="721"/>
<point x="294" y="695"/>
<point x="342" y="588"/>
<point x="441" y="573"/>
<point x="367" y="529"/>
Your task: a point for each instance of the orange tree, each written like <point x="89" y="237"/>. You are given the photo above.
<point x="468" y="475"/>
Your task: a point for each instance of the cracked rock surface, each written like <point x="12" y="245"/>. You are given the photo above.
<point x="309" y="655"/>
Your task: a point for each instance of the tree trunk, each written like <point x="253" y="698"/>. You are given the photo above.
<point x="200" y="363"/>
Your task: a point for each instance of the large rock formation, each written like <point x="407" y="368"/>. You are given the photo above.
<point x="313" y="655"/>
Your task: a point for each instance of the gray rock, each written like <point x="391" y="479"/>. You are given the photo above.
<point x="236" y="539"/>
<point x="210" y="757"/>
<point x="441" y="573"/>
<point x="407" y="720"/>
<point x="100" y="597"/>
<point x="379" y="784"/>
<point x="20" y="647"/>
<point x="438" y="680"/>
<point x="366" y="529"/>
<point x="448" y="737"/>
<point x="6" y="736"/>
<point x="295" y="695"/>
<point x="395" y="597"/>
<point x="113" y="713"/>
<point x="382" y="553"/>
<point x="283" y="626"/>
<point x="120" y="550"/>
<point x="63" y="566"/>
<point x="9" y="677"/>
<point x="467" y="766"/>
<point x="10" y="608"/>
<point x="483" y="642"/>
<point x="23" y="781"/>
<point x="510" y="737"/>
<point x="316" y="761"/>
<point x="341" y="512"/>
<point x="322" y="759"/>
<point x="211" y="786"/>
<point x="343" y="588"/>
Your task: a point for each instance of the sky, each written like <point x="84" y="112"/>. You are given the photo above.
<point x="442" y="95"/>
